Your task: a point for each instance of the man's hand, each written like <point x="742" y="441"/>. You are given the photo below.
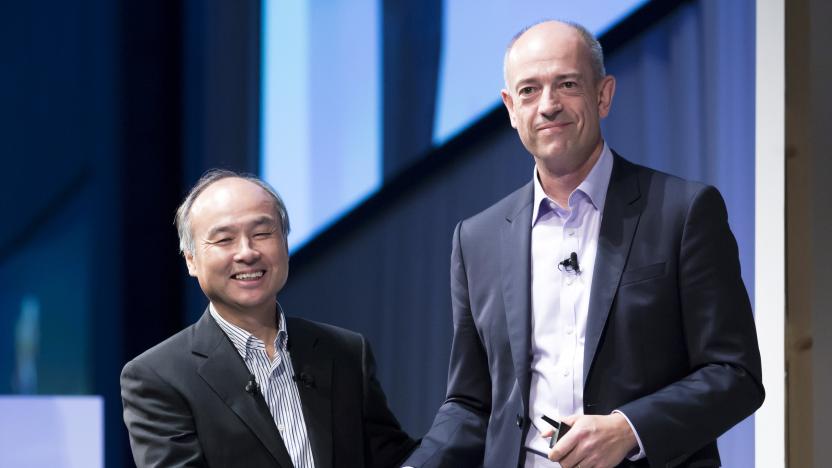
<point x="594" y="442"/>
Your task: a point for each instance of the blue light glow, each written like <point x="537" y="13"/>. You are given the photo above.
<point x="321" y="103"/>
<point x="471" y="64"/>
<point x="53" y="431"/>
<point x="321" y="112"/>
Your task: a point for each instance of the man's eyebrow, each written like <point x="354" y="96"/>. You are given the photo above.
<point x="525" y="81"/>
<point x="564" y="76"/>
<point x="218" y="230"/>
<point x="263" y="221"/>
<point x="560" y="77"/>
<point x="257" y="222"/>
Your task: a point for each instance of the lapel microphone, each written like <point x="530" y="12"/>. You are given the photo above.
<point x="305" y="379"/>
<point x="570" y="263"/>
<point x="252" y="386"/>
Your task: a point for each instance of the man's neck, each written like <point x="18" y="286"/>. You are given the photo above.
<point x="260" y="323"/>
<point x="558" y="186"/>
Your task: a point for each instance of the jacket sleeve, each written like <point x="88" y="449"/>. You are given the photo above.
<point x="724" y="383"/>
<point x="160" y="424"/>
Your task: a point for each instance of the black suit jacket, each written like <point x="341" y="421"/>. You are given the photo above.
<point x="670" y="337"/>
<point x="185" y="402"/>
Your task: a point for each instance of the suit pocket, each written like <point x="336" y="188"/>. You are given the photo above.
<point x="643" y="273"/>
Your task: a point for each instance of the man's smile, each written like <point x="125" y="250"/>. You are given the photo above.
<point x="248" y="275"/>
<point x="551" y="127"/>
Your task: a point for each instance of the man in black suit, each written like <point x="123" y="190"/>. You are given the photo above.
<point x="602" y="294"/>
<point x="247" y="385"/>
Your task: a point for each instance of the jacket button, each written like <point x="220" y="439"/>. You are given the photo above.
<point x="519" y="421"/>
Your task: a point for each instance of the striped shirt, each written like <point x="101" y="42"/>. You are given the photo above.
<point x="275" y="379"/>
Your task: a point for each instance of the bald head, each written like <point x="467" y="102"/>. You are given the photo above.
<point x="556" y="96"/>
<point x="183" y="213"/>
<point x="542" y="32"/>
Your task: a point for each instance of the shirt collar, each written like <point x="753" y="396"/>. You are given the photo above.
<point x="594" y="186"/>
<point x="244" y="341"/>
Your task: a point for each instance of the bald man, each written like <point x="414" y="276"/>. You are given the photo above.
<point x="602" y="298"/>
<point x="246" y="385"/>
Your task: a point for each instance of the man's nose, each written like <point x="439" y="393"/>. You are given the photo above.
<point x="246" y="251"/>
<point x="549" y="103"/>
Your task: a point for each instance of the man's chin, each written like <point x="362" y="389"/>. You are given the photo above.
<point x="550" y="153"/>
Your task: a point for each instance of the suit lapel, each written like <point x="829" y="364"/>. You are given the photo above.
<point x="226" y="373"/>
<point x="618" y="225"/>
<point x="313" y="368"/>
<point x="516" y="278"/>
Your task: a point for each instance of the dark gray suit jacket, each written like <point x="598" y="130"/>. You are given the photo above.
<point x="670" y="338"/>
<point x="185" y="403"/>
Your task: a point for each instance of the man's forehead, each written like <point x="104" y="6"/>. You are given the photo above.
<point x="229" y="191"/>
<point x="229" y="199"/>
<point x="541" y="52"/>
<point x="553" y="63"/>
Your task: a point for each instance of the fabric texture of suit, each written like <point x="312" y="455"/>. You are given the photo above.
<point x="185" y="402"/>
<point x="670" y="337"/>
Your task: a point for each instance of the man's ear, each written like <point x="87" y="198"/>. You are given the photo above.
<point x="509" y="103"/>
<point x="606" y="90"/>
<point x="189" y="260"/>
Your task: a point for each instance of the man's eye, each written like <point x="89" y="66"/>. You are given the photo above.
<point x="526" y="90"/>
<point x="223" y="241"/>
<point x="262" y="235"/>
<point x="571" y="88"/>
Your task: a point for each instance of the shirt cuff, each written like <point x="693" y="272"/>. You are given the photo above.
<point x="640" y="454"/>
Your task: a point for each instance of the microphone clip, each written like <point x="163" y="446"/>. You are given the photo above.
<point x="305" y="379"/>
<point x="570" y="264"/>
<point x="252" y="386"/>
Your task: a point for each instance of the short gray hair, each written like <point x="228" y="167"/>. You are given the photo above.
<point x="595" y="51"/>
<point x="183" y="213"/>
